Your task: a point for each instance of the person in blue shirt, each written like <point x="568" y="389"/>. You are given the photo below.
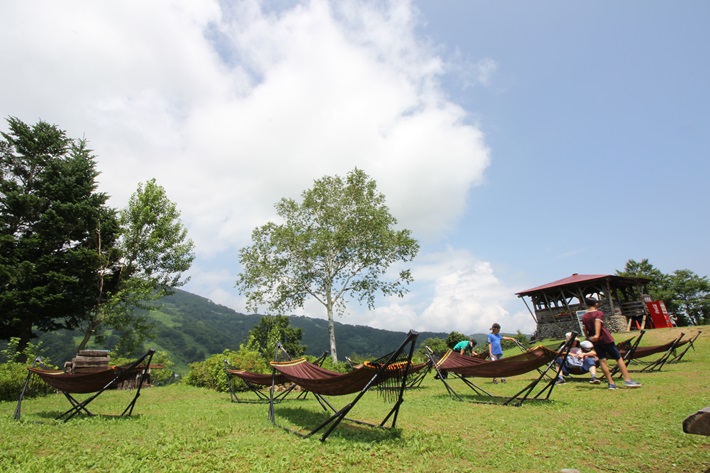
<point x="495" y="351"/>
<point x="464" y="345"/>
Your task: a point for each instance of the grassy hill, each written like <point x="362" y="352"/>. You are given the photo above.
<point x="191" y="328"/>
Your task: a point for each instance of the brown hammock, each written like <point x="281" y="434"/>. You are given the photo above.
<point x="85" y="383"/>
<point x="78" y="383"/>
<point x="637" y="352"/>
<point x="389" y="373"/>
<point x="331" y="383"/>
<point x="509" y="366"/>
<point x="464" y="367"/>
<point x="257" y="381"/>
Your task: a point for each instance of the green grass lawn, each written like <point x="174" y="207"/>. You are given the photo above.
<point x="186" y="429"/>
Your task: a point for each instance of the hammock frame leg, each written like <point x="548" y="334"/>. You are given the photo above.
<point x="629" y="355"/>
<point x="440" y="375"/>
<point x="658" y="364"/>
<point x="78" y="407"/>
<point x="691" y="344"/>
<point x="339" y="415"/>
<point x="18" y="409"/>
<point x="520" y="397"/>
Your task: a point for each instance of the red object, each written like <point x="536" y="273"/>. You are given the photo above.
<point x="659" y="314"/>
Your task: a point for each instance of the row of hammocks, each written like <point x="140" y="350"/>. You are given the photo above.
<point x="391" y="375"/>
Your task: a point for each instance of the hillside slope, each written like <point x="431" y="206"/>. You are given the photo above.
<point x="191" y="328"/>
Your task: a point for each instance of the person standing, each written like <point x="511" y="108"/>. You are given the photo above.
<point x="604" y="346"/>
<point x="465" y="345"/>
<point x="495" y="351"/>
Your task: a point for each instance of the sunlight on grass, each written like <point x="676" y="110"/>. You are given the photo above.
<point x="185" y="429"/>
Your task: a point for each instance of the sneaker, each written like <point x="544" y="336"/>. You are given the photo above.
<point x="632" y="384"/>
<point x="560" y="381"/>
<point x="594" y="381"/>
<point x="612" y="386"/>
<point x="502" y="380"/>
<point x="495" y="381"/>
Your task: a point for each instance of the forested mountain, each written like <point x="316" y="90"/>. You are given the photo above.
<point x="191" y="328"/>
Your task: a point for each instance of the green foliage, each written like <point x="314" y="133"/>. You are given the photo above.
<point x="272" y="330"/>
<point x="337" y="366"/>
<point x="685" y="294"/>
<point x="454" y="338"/>
<point x="145" y="264"/>
<point x="51" y="220"/>
<point x="159" y="376"/>
<point x="210" y="373"/>
<point x="334" y="246"/>
<point x="13" y="372"/>
<point x="438" y="345"/>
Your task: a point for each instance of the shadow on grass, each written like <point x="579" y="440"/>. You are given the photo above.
<point x="53" y="415"/>
<point x="306" y="420"/>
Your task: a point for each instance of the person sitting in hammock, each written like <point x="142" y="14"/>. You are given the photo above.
<point x="581" y="359"/>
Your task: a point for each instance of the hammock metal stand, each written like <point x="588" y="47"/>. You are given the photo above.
<point x="516" y="399"/>
<point x="637" y="352"/>
<point x="96" y="382"/>
<point x="257" y="382"/>
<point x="690" y="344"/>
<point x="628" y="353"/>
<point x="386" y="367"/>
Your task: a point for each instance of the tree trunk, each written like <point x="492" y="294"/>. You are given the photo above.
<point x="87" y="336"/>
<point x="331" y="331"/>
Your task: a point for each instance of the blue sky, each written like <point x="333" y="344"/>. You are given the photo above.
<point x="521" y="142"/>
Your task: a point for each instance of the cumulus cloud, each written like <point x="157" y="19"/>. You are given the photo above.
<point x="232" y="106"/>
<point x="464" y="295"/>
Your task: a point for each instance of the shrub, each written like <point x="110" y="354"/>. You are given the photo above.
<point x="13" y="373"/>
<point x="210" y="373"/>
<point x="158" y="377"/>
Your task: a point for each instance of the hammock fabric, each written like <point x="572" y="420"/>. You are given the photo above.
<point x="642" y="352"/>
<point x="389" y="372"/>
<point x="331" y="383"/>
<point x="509" y="366"/>
<point x="257" y="381"/>
<point x="85" y="383"/>
<point x="257" y="378"/>
<point x="635" y="352"/>
<point x="464" y="367"/>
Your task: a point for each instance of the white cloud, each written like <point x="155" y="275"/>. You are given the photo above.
<point x="463" y="295"/>
<point x="231" y="107"/>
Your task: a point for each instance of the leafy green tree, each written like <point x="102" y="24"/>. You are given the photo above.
<point x="685" y="294"/>
<point x="454" y="338"/>
<point x="691" y="301"/>
<point x="274" y="329"/>
<point x="51" y="219"/>
<point x="334" y="245"/>
<point x="145" y="263"/>
<point x="659" y="287"/>
<point x="438" y="345"/>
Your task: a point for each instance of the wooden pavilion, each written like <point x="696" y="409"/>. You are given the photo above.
<point x="557" y="306"/>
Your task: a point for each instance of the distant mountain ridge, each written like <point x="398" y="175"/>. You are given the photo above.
<point x="191" y="328"/>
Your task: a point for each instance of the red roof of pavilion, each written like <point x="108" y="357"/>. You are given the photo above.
<point x="574" y="279"/>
